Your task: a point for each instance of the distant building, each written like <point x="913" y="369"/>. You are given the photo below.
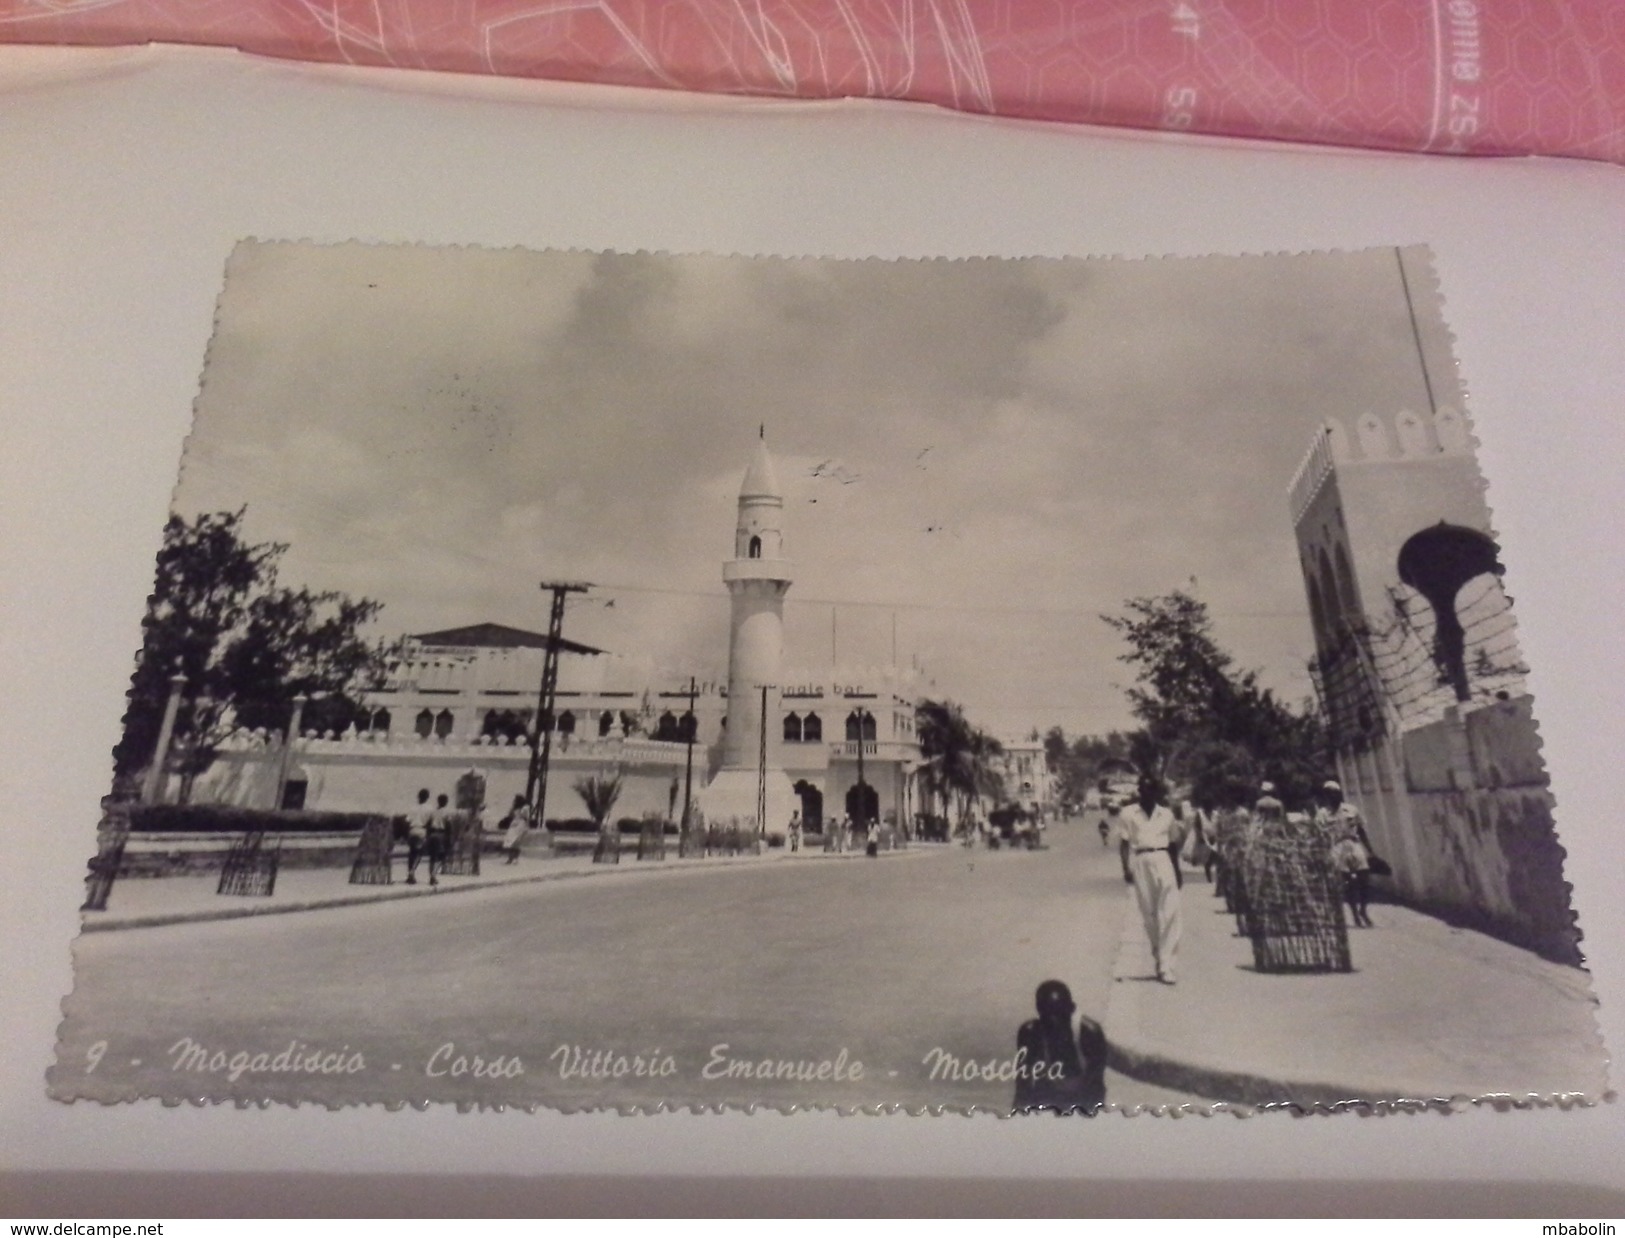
<point x="1419" y="674"/>
<point x="1025" y="771"/>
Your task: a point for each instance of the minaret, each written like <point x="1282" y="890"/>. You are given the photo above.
<point x="757" y="577"/>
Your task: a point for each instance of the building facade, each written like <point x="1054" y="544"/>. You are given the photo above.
<point x="832" y="743"/>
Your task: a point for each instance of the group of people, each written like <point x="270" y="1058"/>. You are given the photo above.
<point x="1153" y="837"/>
<point x="430" y="827"/>
<point x="839" y="835"/>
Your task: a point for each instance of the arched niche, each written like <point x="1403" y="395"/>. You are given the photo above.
<point x="1348" y="599"/>
<point x="1437" y="562"/>
<point x="1331" y="606"/>
<point x="1317" y="610"/>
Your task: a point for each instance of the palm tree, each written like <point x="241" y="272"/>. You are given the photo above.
<point x="599" y="793"/>
<point x="960" y="762"/>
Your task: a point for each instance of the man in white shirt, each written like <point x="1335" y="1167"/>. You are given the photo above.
<point x="1149" y="837"/>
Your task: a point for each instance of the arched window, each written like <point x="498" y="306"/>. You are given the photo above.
<point x="605" y="721"/>
<point x="506" y="724"/>
<point x="380" y="721"/>
<point x="425" y="724"/>
<point x="868" y="725"/>
<point x="443" y="723"/>
<point x="1328" y="585"/>
<point x="567" y="723"/>
<point x="860" y="724"/>
<point x="1345" y="585"/>
<point x="666" y="727"/>
<point x="755" y="547"/>
<point x="687" y="728"/>
<point x="812" y="729"/>
<point x="792" y="729"/>
<point x="1317" y="612"/>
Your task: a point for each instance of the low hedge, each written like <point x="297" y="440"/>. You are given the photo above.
<point x="583" y="825"/>
<point x="230" y="819"/>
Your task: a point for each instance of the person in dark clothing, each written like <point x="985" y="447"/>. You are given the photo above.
<point x="1055" y="1069"/>
<point x="439" y="838"/>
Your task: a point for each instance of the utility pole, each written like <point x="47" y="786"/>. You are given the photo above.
<point x="693" y="726"/>
<point x="863" y="800"/>
<point x="153" y="783"/>
<point x="761" y="772"/>
<point x="541" y="739"/>
<point x="286" y="763"/>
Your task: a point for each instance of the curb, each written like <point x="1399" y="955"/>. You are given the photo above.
<point x="1239" y="1087"/>
<point x="162" y="919"/>
<point x="1215" y="1083"/>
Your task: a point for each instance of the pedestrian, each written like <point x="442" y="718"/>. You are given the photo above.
<point x="1054" y="1070"/>
<point x="1150" y="836"/>
<point x="1352" y="862"/>
<point x="871" y="840"/>
<point x="417" y="835"/>
<point x="514" y="826"/>
<point x="1336" y="816"/>
<point x="439" y="829"/>
<point x="795" y="831"/>
<point x="1198" y="848"/>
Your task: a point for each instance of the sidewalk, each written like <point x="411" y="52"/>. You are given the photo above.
<point x="1430" y="1012"/>
<point x="147" y="902"/>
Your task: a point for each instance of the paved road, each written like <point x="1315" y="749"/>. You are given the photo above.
<point x="899" y="963"/>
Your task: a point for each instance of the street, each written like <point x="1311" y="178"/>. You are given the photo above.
<point x="893" y="981"/>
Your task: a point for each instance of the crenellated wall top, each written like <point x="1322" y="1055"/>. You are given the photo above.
<point x="1373" y="439"/>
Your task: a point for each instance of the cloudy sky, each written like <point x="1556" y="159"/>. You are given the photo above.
<point x="983" y="455"/>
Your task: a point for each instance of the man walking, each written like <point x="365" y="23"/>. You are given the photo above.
<point x="439" y="838"/>
<point x="417" y="835"/>
<point x="1149" y="837"/>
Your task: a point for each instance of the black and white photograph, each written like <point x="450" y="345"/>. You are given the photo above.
<point x="589" y="680"/>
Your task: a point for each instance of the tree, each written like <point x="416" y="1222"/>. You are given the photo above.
<point x="1205" y="723"/>
<point x="1180" y="669"/>
<point x="245" y="645"/>
<point x="599" y="793"/>
<point x="1080" y="764"/>
<point x="960" y="762"/>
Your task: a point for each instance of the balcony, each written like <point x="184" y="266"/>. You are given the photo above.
<point x="875" y="750"/>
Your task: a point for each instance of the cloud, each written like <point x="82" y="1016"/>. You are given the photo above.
<point x="994" y="451"/>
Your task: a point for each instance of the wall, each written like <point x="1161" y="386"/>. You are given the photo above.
<point x="362" y="775"/>
<point x="1486" y="846"/>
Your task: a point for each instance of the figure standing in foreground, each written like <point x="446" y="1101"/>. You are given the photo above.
<point x="1057" y="1071"/>
<point x="1150" y="837"/>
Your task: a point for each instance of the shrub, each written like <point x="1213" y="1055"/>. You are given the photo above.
<point x="230" y="819"/>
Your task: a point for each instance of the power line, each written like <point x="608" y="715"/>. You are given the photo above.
<point x="427" y="539"/>
<point x="1061" y="612"/>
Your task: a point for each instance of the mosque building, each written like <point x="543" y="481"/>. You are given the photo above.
<point x="767" y="742"/>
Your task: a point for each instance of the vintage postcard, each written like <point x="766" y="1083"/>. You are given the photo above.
<point x="638" y="681"/>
